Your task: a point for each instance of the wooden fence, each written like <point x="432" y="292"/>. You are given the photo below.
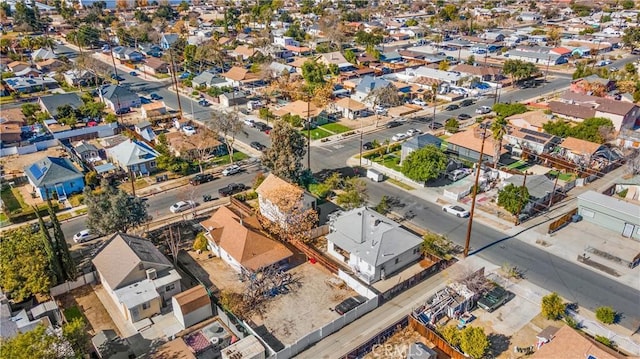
<point x="435" y="338"/>
<point x="562" y="221"/>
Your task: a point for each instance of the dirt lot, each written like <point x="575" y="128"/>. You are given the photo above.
<point x="314" y="301"/>
<point x="211" y="271"/>
<point x="86" y="300"/>
<point x="15" y="164"/>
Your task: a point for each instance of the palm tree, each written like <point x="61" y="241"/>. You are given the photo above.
<point x="498" y="130"/>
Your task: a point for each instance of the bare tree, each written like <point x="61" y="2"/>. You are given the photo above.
<point x="173" y="242"/>
<point x="288" y="218"/>
<point x="386" y="96"/>
<point x="203" y="144"/>
<point x="228" y="125"/>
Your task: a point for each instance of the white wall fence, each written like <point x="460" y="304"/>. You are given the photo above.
<point x="23" y="150"/>
<point x="317" y="335"/>
<point x="393" y="174"/>
<point x="356" y="285"/>
<point x="66" y="287"/>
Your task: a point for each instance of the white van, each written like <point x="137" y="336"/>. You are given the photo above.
<point x="375" y="175"/>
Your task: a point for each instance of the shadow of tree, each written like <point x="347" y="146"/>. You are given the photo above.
<point x="499" y="343"/>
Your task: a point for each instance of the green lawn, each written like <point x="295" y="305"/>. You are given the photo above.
<point x="567" y="177"/>
<point x="391" y="160"/>
<point x="519" y="166"/>
<point x="224" y="160"/>
<point x="335" y="127"/>
<point x="316" y="133"/>
<point x="72" y="313"/>
<point x="12" y="199"/>
<point x="400" y="184"/>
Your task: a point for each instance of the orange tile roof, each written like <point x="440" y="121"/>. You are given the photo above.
<point x="299" y="108"/>
<point x="569" y="344"/>
<point x="579" y="146"/>
<point x="239" y="74"/>
<point x="473" y="141"/>
<point x="192" y="299"/>
<point x="240" y="236"/>
<point x="351" y="104"/>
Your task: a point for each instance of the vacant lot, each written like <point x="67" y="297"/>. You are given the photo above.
<point x="84" y="302"/>
<point x="14" y="164"/>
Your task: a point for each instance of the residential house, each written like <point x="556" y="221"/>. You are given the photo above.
<point x="467" y="145"/>
<point x="568" y="343"/>
<point x="366" y="85"/>
<point x="616" y="214"/>
<point x="12" y="323"/>
<point x="234" y="98"/>
<point x="236" y="237"/>
<point x="350" y="108"/>
<point x="243" y="52"/>
<point x="150" y="50"/>
<point x="529" y="17"/>
<point x="137" y="277"/>
<point x="492" y="36"/>
<point x="79" y="77"/>
<point x="155" y="66"/>
<point x="542" y="59"/>
<point x="305" y="110"/>
<point x="561" y="51"/>
<point x="582" y="151"/>
<point x="208" y="79"/>
<point x="17" y="66"/>
<point x="273" y="191"/>
<point x="285" y="41"/>
<point x="372" y="245"/>
<point x="50" y="104"/>
<point x="585" y="85"/>
<point x="192" y="306"/>
<point x="277" y="69"/>
<point x="108" y="345"/>
<point x="239" y="76"/>
<point x="153" y="109"/>
<point x="571" y="111"/>
<point x="418" y="142"/>
<point x="206" y="342"/>
<point x="87" y="152"/>
<point x="167" y="40"/>
<point x="50" y="65"/>
<point x="117" y="97"/>
<point x="419" y="75"/>
<point x="145" y="130"/>
<point x="535" y="141"/>
<point x="43" y="54"/>
<point x="184" y="146"/>
<point x="123" y="53"/>
<point x="54" y="175"/>
<point x="134" y="156"/>
<point x="484" y="73"/>
<point x="11" y="122"/>
<point x="30" y="84"/>
<point x="540" y="188"/>
<point x="624" y="115"/>
<point x="334" y="58"/>
<point x="532" y="120"/>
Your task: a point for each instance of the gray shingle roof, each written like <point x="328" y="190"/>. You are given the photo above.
<point x="537" y="185"/>
<point x="422" y="141"/>
<point x="52" y="170"/>
<point x="51" y="103"/>
<point x="115" y="93"/>
<point x="371" y="236"/>
<point x="369" y="83"/>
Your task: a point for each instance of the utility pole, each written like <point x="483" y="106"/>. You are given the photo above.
<point x="555" y="183"/>
<point x="434" y="91"/>
<point x="524" y="186"/>
<point x="309" y="133"/>
<point x="547" y="71"/>
<point x="475" y="190"/>
<point x="133" y="181"/>
<point x="175" y="80"/>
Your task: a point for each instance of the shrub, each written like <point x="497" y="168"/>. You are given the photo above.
<point x="606" y="315"/>
<point x="76" y="200"/>
<point x="571" y="322"/>
<point x="200" y="243"/>
<point x="604" y="340"/>
<point x="552" y="306"/>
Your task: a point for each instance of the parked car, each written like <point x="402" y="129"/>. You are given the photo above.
<point x="452" y="107"/>
<point x="493" y="299"/>
<point x="144" y="100"/>
<point x="423" y="118"/>
<point x="635" y="52"/>
<point x="249" y="122"/>
<point x="189" y="130"/>
<point x="201" y="178"/>
<point x="457" y="175"/>
<point x="184" y="75"/>
<point x="483" y="110"/>
<point x="399" y="137"/>
<point x="231" y="170"/>
<point x="613" y="69"/>
<point x="154" y="96"/>
<point x="261" y="126"/>
<point x="258" y="146"/>
<point x="349" y="304"/>
<point x="463" y="116"/>
<point x="231" y="189"/>
<point x="467" y="102"/>
<point x="418" y="102"/>
<point x="413" y="132"/>
<point x="83" y="236"/>
<point x="117" y="77"/>
<point x="122" y="111"/>
<point x="35" y="227"/>
<point x="392" y="124"/>
<point x="182" y="206"/>
<point x="457" y="210"/>
<point x="367" y="146"/>
<point x="204" y="103"/>
<point x="133" y="73"/>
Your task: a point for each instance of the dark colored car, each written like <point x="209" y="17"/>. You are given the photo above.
<point x="144" y="100"/>
<point x="466" y="103"/>
<point x="117" y="77"/>
<point x="367" y="146"/>
<point x="201" y="178"/>
<point x="493" y="299"/>
<point x="258" y="146"/>
<point x="122" y="111"/>
<point x="349" y="304"/>
<point x="231" y="189"/>
<point x="204" y="103"/>
<point x="423" y="118"/>
<point x="451" y="107"/>
<point x="155" y="96"/>
<point x="463" y="116"/>
<point x="393" y="124"/>
<point x="261" y="126"/>
<point x="635" y="52"/>
<point x="35" y="227"/>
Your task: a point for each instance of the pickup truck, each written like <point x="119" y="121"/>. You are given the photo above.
<point x="201" y="178"/>
<point x="493" y="299"/>
<point x="231" y="189"/>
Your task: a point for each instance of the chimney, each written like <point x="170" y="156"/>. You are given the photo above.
<point x="151" y="274"/>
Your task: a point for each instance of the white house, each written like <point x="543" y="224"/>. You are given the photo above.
<point x="285" y="41"/>
<point x="137" y="277"/>
<point x="117" y="97"/>
<point x="192" y="306"/>
<point x="372" y="245"/>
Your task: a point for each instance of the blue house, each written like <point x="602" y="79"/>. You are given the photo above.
<point x="167" y="40"/>
<point x="54" y="174"/>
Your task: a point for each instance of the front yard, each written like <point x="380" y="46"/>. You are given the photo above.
<point x="12" y="199"/>
<point x="390" y="160"/>
<point x="316" y="133"/>
<point x="335" y="127"/>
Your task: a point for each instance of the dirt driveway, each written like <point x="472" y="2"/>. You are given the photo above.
<point x="87" y="302"/>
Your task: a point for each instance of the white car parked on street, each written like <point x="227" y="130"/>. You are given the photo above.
<point x="182" y="206"/>
<point x="457" y="210"/>
<point x="399" y="137"/>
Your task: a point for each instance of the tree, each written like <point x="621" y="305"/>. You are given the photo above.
<point x="183" y="6"/>
<point x="448" y="13"/>
<point x="554" y="35"/>
<point x="29" y="110"/>
<point x="76" y="334"/>
<point x="452" y="125"/>
<point x="451" y="334"/>
<point x="284" y="157"/>
<point x="32" y="344"/>
<point x="265" y="114"/>
<point x="113" y="210"/>
<point x="228" y="126"/>
<point x="552" y="306"/>
<point x="350" y="56"/>
<point x="368" y="38"/>
<point x="513" y="198"/>
<point x="385" y="96"/>
<point x="313" y="73"/>
<point x="443" y="65"/>
<point x="594" y="129"/>
<point x="204" y="143"/>
<point x="26" y="17"/>
<point x="504" y="110"/>
<point x="354" y="194"/>
<point x="474" y="342"/>
<point x="628" y="4"/>
<point x="471" y="60"/>
<point x="498" y="130"/>
<point x="631" y="37"/>
<point x="383" y="206"/>
<point x="424" y="164"/>
<point x="436" y="244"/>
<point x="68" y="266"/>
<point x="24" y="265"/>
<point x="519" y="69"/>
<point x="55" y="264"/>
<point x="200" y="243"/>
<point x="296" y="31"/>
<point x="288" y="218"/>
<point x="606" y="315"/>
